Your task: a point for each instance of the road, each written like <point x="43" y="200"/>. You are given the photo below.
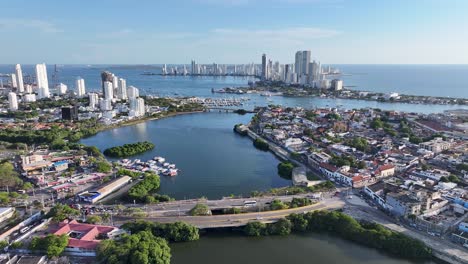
<point x="234" y="220"/>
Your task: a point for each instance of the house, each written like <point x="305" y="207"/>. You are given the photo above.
<point x="403" y="204"/>
<point x="377" y="193"/>
<point x="385" y="170"/>
<point x="85" y="237"/>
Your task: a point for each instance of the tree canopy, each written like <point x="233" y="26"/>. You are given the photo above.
<point x="127" y="150"/>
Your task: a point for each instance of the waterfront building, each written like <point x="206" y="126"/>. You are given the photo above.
<point x="61" y="88"/>
<point x="105" y="104"/>
<point x="337" y="84"/>
<point x="264" y="67"/>
<point x="108" y="90"/>
<point x="122" y="89"/>
<point x="436" y="145"/>
<point x="302" y="61"/>
<point x="324" y="84"/>
<point x="19" y="78"/>
<point x="28" y="88"/>
<point x="28" y="98"/>
<point x="93" y="100"/>
<point x="132" y="92"/>
<point x="314" y="73"/>
<point x="13" y="81"/>
<point x="137" y="107"/>
<point x="42" y="81"/>
<point x="80" y="87"/>
<point x="115" y="84"/>
<point x="193" y="68"/>
<point x="164" y="69"/>
<point x="12" y="101"/>
<point x="106" y="77"/>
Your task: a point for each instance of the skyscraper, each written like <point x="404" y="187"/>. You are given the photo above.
<point x="137" y="107"/>
<point x="122" y="89"/>
<point x="106" y="77"/>
<point x="93" y="100"/>
<point x="12" y="101"/>
<point x="115" y="83"/>
<point x="302" y="62"/>
<point x="264" y="67"/>
<point x="42" y="81"/>
<point x="132" y="92"/>
<point x="108" y="91"/>
<point x="19" y="78"/>
<point x="62" y="88"/>
<point x="28" y="88"/>
<point x="80" y="87"/>
<point x="14" y="81"/>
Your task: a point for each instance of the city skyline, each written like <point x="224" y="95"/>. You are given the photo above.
<point x="235" y="31"/>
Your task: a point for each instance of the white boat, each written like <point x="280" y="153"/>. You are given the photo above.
<point x="166" y="164"/>
<point x="160" y="159"/>
<point x="171" y="166"/>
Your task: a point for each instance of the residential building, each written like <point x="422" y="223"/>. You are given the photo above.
<point x="436" y="145"/>
<point x="122" y="89"/>
<point x="93" y="100"/>
<point x="12" y="101"/>
<point x="42" y="81"/>
<point x="403" y="204"/>
<point x="137" y="107"/>
<point x="132" y="92"/>
<point x="62" y="88"/>
<point x="80" y="87"/>
<point x="70" y="113"/>
<point x="108" y="91"/>
<point x="19" y="78"/>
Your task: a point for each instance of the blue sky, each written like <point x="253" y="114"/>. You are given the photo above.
<point x="234" y="31"/>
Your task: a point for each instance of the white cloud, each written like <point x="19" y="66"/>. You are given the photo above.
<point x="43" y="26"/>
<point x="298" y="34"/>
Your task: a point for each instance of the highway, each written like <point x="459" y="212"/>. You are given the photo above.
<point x="233" y="220"/>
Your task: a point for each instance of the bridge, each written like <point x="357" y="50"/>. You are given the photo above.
<point x="237" y="220"/>
<point x="228" y="110"/>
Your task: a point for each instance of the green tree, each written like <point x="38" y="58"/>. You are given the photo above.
<point x="61" y="212"/>
<point x="103" y="166"/>
<point x="52" y="244"/>
<point x="285" y="169"/>
<point x="282" y="227"/>
<point x="140" y="248"/>
<point x="200" y="209"/>
<point x="277" y="205"/>
<point x="255" y="229"/>
<point x="94" y="219"/>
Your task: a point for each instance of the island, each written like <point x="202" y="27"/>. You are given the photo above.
<point x="127" y="150"/>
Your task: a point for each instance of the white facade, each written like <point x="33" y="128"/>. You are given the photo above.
<point x="62" y="88"/>
<point x="337" y="85"/>
<point x="12" y="101"/>
<point x="302" y="61"/>
<point x="29" y="98"/>
<point x="105" y="104"/>
<point x="115" y="83"/>
<point x="28" y="88"/>
<point x="108" y="91"/>
<point x="122" y="89"/>
<point x="42" y="81"/>
<point x="13" y="81"/>
<point x="137" y="107"/>
<point x="19" y="78"/>
<point x="93" y="100"/>
<point x="132" y="92"/>
<point x="80" y="87"/>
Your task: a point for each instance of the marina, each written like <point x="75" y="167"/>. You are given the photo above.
<point x="156" y="165"/>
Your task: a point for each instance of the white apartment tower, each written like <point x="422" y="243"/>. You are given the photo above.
<point x="302" y="62"/>
<point x="137" y="107"/>
<point x="19" y="78"/>
<point x="13" y="81"/>
<point x="42" y="82"/>
<point x="12" y="101"/>
<point x="122" y="89"/>
<point x="62" y="88"/>
<point x="108" y="91"/>
<point x="80" y="87"/>
<point x="132" y="92"/>
<point x="93" y="100"/>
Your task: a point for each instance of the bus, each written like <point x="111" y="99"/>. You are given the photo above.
<point x="250" y="203"/>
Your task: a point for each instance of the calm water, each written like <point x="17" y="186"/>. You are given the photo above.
<point x="436" y="80"/>
<point x="293" y="249"/>
<point x="214" y="161"/>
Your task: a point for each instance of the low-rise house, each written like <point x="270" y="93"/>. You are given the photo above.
<point x="403" y="204"/>
<point x="385" y="170"/>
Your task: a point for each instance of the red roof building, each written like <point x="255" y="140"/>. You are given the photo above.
<point x="84" y="236"/>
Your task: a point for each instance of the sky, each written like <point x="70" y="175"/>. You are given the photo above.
<point x="234" y="31"/>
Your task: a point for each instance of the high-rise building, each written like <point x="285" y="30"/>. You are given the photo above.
<point x="314" y="72"/>
<point x="108" y="91"/>
<point x="132" y="92"/>
<point x="264" y="67"/>
<point x="80" y="87"/>
<point x="302" y="61"/>
<point x="115" y="84"/>
<point x="122" y="89"/>
<point x="337" y="84"/>
<point x="28" y="88"/>
<point x="106" y="77"/>
<point x="137" y="107"/>
<point x="19" y="78"/>
<point x="105" y="104"/>
<point x="12" y="101"/>
<point x="70" y="112"/>
<point x="62" y="88"/>
<point x="93" y="100"/>
<point x="164" y="69"/>
<point x="42" y="81"/>
<point x="14" y="84"/>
